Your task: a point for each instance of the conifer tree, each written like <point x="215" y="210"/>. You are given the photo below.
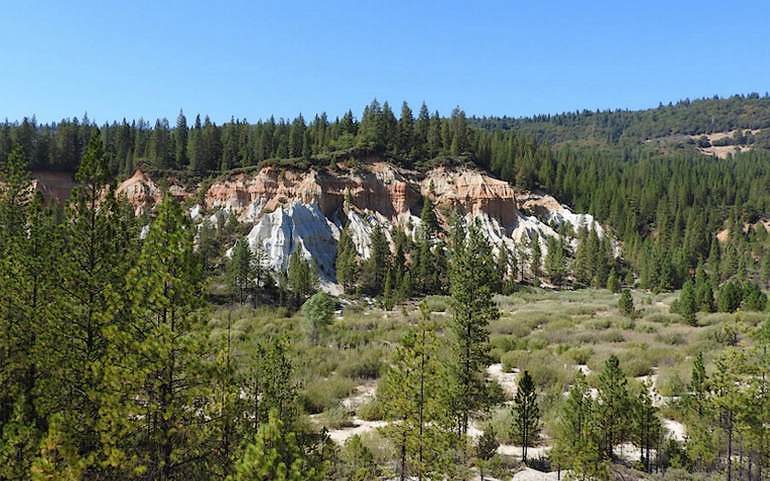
<point x="154" y="417"/>
<point x="555" y="260"/>
<point x="269" y="385"/>
<point x="536" y="256"/>
<point x="613" y="283"/>
<point x="302" y="279"/>
<point x="526" y="414"/>
<point x="319" y="312"/>
<point x="376" y="267"/>
<point x="613" y="404"/>
<point x="646" y="426"/>
<point x="22" y="318"/>
<point x="97" y="251"/>
<point x="347" y="260"/>
<point x="472" y="275"/>
<point x="578" y="443"/>
<point x="687" y="305"/>
<point x="241" y="270"/>
<point x="276" y="454"/>
<point x="486" y="448"/>
<point x="412" y="398"/>
<point x="626" y="303"/>
<point x="181" y="133"/>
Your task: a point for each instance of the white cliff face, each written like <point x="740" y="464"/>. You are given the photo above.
<point x="290" y="210"/>
<point x="297" y="226"/>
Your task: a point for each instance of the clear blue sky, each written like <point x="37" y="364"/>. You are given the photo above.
<point x="251" y="59"/>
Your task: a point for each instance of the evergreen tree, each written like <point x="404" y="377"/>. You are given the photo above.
<point x="626" y="303"/>
<point x="578" y="443"/>
<point x="555" y="260"/>
<point x="486" y="448"/>
<point x="98" y="249"/>
<point x="241" y="270"/>
<point x="181" y="133"/>
<point x="646" y="426"/>
<point x="613" y="284"/>
<point x="526" y="414"/>
<point x="302" y="279"/>
<point x="319" y="313"/>
<point x="413" y="402"/>
<point x="376" y="267"/>
<point x="471" y="286"/>
<point x="347" y="260"/>
<point x="154" y="417"/>
<point x="269" y="385"/>
<point x="687" y="304"/>
<point x="535" y="261"/>
<point x="612" y="409"/>
<point x="276" y="454"/>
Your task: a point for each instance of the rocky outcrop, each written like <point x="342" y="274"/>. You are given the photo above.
<point x="143" y="193"/>
<point x="292" y="210"/>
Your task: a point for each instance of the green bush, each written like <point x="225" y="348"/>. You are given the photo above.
<point x="335" y="417"/>
<point x="362" y="364"/>
<point x="437" y="303"/>
<point x="324" y="394"/>
<point x="671" y="338"/>
<point x="580" y="355"/>
<point x="613" y="335"/>
<point x="371" y="410"/>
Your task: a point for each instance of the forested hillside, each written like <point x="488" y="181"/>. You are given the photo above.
<point x="666" y="201"/>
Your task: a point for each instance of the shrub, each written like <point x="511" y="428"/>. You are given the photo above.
<point x="336" y="417"/>
<point x="671" y="338"/>
<point x="613" y="335"/>
<point x="371" y="410"/>
<point x="580" y="355"/>
<point x="324" y="394"/>
<point x="362" y="364"/>
<point x="437" y="303"/>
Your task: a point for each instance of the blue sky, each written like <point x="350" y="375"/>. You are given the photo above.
<point x="252" y="59"/>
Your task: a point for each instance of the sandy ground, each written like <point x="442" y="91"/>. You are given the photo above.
<point x="340" y="436"/>
<point x="508" y="380"/>
<point x="363" y="394"/>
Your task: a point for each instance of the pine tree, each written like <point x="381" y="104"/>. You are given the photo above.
<point x="406" y="132"/>
<point x="347" y="260"/>
<point x="181" y="133"/>
<point x="613" y="284"/>
<point x="578" y="443"/>
<point x="472" y="276"/>
<point x="269" y="385"/>
<point x="376" y="267"/>
<point x="626" y="303"/>
<point x="277" y="455"/>
<point x="612" y="405"/>
<point x="486" y="448"/>
<point x="704" y="294"/>
<point x="22" y="316"/>
<point x="526" y="414"/>
<point x="646" y="426"/>
<point x="319" y="313"/>
<point x="555" y="260"/>
<point x="412" y="398"/>
<point x="535" y="261"/>
<point x="358" y="462"/>
<point x="241" y="270"/>
<point x="98" y="249"/>
<point x="302" y="279"/>
<point x="687" y="305"/>
<point x="154" y="416"/>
